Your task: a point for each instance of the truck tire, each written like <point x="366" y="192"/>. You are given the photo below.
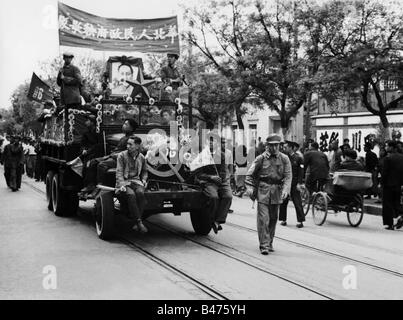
<point x="202" y="220"/>
<point x="64" y="203"/>
<point x="104" y="216"/>
<point x="48" y="182"/>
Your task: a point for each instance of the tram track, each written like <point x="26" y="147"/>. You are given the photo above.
<point x="329" y="253"/>
<point x="215" y="294"/>
<point x="241" y="260"/>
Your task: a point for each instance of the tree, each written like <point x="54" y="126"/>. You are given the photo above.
<point x="261" y="61"/>
<point x="217" y="29"/>
<point x="365" y="57"/>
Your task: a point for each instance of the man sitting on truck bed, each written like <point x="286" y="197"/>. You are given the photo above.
<point x="131" y="179"/>
<point x="98" y="167"/>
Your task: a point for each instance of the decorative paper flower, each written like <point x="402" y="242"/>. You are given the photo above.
<point x="129" y="100"/>
<point x="151" y="101"/>
<point x="168" y="89"/>
<point x="177" y="100"/>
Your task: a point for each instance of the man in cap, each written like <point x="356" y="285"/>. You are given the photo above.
<point x="70" y="81"/>
<point x="297" y="165"/>
<point x="269" y="181"/>
<point x="170" y="74"/>
<point x="13" y="159"/>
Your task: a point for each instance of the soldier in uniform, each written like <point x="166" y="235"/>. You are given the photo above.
<point x="70" y="81"/>
<point x="269" y="181"/>
<point x="297" y="165"/>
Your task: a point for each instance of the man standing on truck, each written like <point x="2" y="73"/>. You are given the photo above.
<point x="131" y="180"/>
<point x="70" y="81"/>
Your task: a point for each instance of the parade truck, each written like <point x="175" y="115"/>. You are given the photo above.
<point x="170" y="188"/>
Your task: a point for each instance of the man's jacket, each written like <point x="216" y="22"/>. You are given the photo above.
<point x="130" y="170"/>
<point x="70" y="85"/>
<point x="269" y="175"/>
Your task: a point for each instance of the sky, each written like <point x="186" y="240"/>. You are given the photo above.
<point x="29" y="34"/>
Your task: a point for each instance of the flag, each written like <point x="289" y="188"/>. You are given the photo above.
<point x="39" y="91"/>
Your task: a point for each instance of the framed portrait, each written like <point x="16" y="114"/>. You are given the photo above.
<point x="120" y="70"/>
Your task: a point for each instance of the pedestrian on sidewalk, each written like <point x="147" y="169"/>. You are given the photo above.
<point x="371" y="166"/>
<point x="297" y="166"/>
<point x="392" y="181"/>
<point x="269" y="181"/>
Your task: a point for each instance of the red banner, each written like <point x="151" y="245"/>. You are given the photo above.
<point x="81" y="29"/>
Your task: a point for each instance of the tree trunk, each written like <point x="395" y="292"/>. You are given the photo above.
<point x="239" y="119"/>
<point x="385" y="125"/>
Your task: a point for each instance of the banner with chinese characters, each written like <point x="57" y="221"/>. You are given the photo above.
<point x="81" y="29"/>
<point x="38" y="90"/>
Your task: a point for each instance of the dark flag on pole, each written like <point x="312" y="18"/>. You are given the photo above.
<point x="39" y="90"/>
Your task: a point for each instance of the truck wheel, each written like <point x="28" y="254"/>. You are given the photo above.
<point x="104" y="215"/>
<point x="48" y="181"/>
<point x="201" y="220"/>
<point x="64" y="203"/>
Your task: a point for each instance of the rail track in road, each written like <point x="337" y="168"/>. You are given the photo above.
<point x="206" y="288"/>
<point x="242" y="260"/>
<point x="329" y="253"/>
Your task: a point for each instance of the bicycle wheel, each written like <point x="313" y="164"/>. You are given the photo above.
<point x="306" y="200"/>
<point x="356" y="213"/>
<point x="319" y="208"/>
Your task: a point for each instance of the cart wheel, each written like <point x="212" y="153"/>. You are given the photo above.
<point x="104" y="215"/>
<point x="355" y="215"/>
<point x="48" y="182"/>
<point x="319" y="208"/>
<point x="306" y="200"/>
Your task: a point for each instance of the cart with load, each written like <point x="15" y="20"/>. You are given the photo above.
<point x="343" y="193"/>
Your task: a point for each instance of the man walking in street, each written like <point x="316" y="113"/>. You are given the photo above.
<point x="392" y="181"/>
<point x="131" y="180"/>
<point x="13" y="159"/>
<point x="269" y="181"/>
<point x="297" y="166"/>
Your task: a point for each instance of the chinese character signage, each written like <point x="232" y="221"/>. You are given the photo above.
<point x="39" y="90"/>
<point x="80" y="29"/>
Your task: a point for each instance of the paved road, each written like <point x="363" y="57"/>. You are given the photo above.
<point x="316" y="262"/>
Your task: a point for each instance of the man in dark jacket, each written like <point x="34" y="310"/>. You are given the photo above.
<point x="98" y="167"/>
<point x="392" y="181"/>
<point x="70" y="81"/>
<point x="215" y="181"/>
<point x="297" y="167"/>
<point x="371" y="165"/>
<point x="350" y="162"/>
<point x="317" y="168"/>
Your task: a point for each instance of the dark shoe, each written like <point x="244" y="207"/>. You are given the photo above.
<point x="264" y="252"/>
<point x="389" y="228"/>
<point x="215" y="227"/>
<point x="283" y="223"/>
<point x="399" y="223"/>
<point x="219" y="228"/>
<point x="230" y="211"/>
<point x="300" y="225"/>
<point x="367" y="197"/>
<point x="271" y="249"/>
